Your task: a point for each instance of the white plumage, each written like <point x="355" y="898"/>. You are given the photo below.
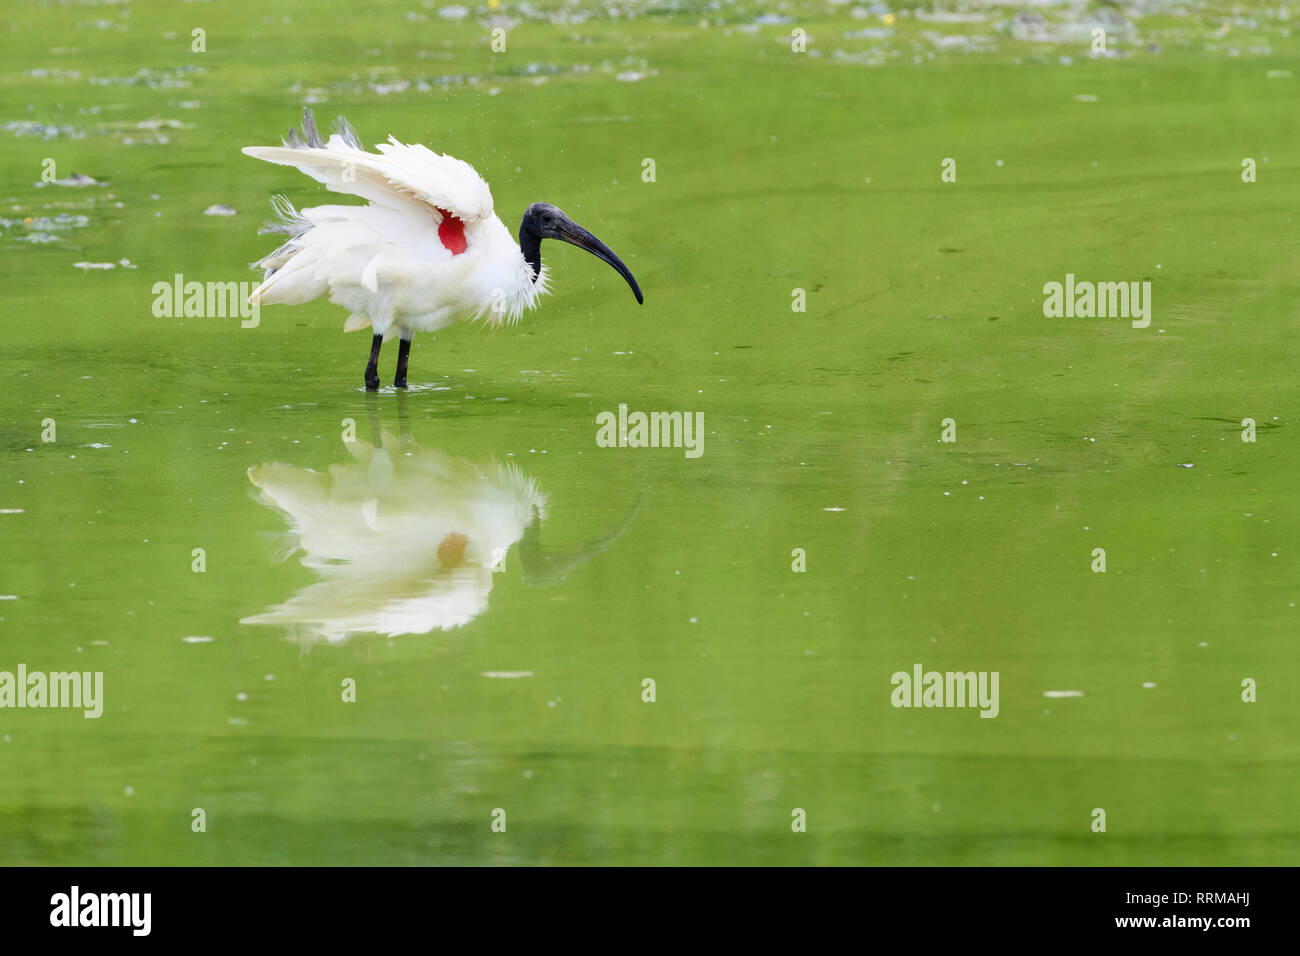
<point x="426" y="251"/>
<point x="406" y="539"/>
<point x="385" y="261"/>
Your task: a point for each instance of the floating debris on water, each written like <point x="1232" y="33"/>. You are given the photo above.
<point x="166" y="78"/>
<point x="949" y="16"/>
<point x="46" y="131"/>
<point x="124" y="263"/>
<point x="219" y="209"/>
<point x="77" y="179"/>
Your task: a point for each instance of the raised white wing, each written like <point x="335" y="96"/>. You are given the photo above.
<point x="397" y="177"/>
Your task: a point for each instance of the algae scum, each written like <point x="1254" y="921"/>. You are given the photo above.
<point x="350" y="628"/>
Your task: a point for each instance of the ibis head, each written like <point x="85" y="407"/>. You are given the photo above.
<point x="544" y="221"/>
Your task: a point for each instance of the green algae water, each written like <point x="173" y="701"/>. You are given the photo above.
<point x="364" y="628"/>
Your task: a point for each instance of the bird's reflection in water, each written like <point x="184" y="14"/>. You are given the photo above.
<point x="406" y="538"/>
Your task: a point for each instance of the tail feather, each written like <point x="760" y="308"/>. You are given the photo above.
<point x="291" y="221"/>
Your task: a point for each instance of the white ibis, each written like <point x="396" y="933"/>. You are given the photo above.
<point x="426" y="251"/>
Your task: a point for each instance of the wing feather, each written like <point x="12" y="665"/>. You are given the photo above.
<point x="399" y="175"/>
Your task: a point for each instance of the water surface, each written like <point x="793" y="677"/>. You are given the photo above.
<point x="497" y="587"/>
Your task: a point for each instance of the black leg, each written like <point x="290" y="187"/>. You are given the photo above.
<point x="403" y="353"/>
<point x="372" y="369"/>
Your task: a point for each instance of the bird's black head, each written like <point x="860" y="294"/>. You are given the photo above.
<point x="544" y="221"/>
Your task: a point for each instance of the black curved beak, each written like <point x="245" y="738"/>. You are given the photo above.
<point x="571" y="232"/>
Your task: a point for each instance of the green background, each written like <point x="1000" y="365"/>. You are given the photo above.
<point x="775" y="171"/>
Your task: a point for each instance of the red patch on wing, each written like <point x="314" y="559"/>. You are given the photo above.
<point x="451" y="233"/>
